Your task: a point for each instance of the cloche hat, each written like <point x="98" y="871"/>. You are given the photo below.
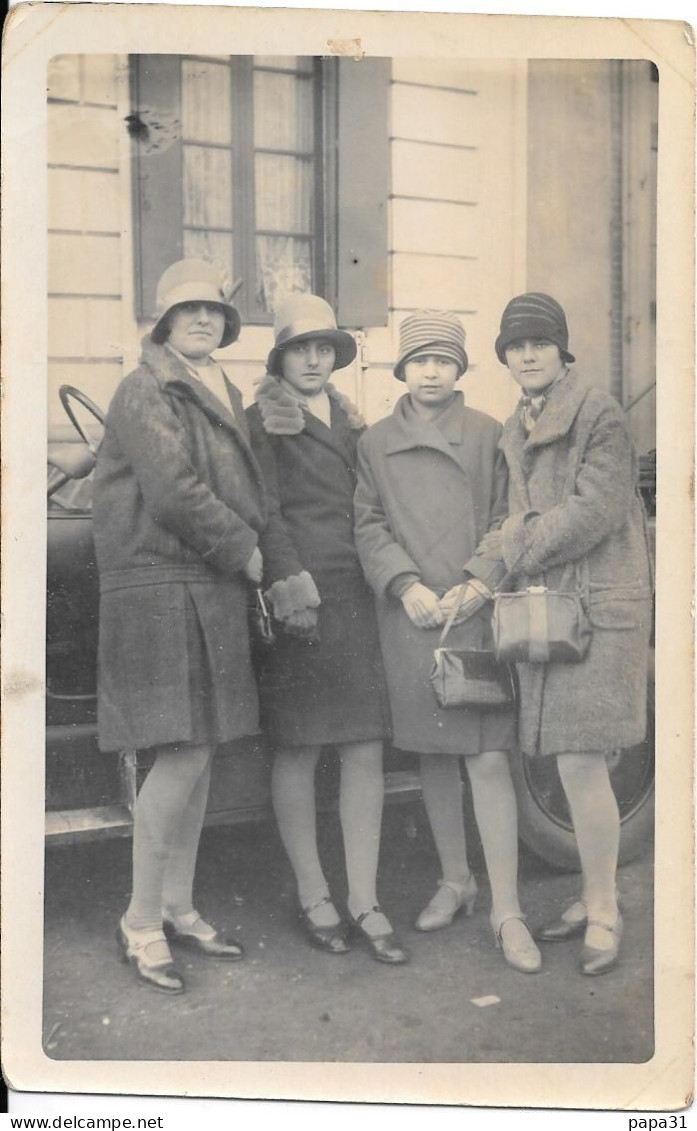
<point x="304" y="316"/>
<point x="530" y="316"/>
<point x="431" y="331"/>
<point x="194" y="280"/>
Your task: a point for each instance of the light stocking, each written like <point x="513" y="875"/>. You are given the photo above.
<point x="162" y="800"/>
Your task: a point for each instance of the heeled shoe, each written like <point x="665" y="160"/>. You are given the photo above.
<point x="384" y="948"/>
<point x="211" y="944"/>
<point x="158" y="973"/>
<point x="448" y="900"/>
<point x="520" y="954"/>
<point x="595" y="961"/>
<point x="571" y="922"/>
<point x="331" y="939"/>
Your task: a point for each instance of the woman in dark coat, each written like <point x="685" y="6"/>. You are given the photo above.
<point x="179" y="504"/>
<point x="323" y="682"/>
<point x="431" y="484"/>
<point x="576" y="518"/>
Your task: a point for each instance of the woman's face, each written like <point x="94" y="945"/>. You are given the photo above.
<point x="196" y="329"/>
<point x="308" y="365"/>
<point x="534" y="364"/>
<point x="430" y="379"/>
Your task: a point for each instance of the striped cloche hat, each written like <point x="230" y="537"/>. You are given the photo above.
<point x="531" y="316"/>
<point x="431" y="331"/>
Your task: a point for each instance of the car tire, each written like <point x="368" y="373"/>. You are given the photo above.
<point x="544" y="824"/>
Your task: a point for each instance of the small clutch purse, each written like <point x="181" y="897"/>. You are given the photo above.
<point x="468" y="677"/>
<point x="540" y="626"/>
<point x="261" y="631"/>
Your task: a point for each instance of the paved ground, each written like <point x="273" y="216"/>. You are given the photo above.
<point x="290" y="1002"/>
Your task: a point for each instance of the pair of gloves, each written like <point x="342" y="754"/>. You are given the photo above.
<point x="425" y="610"/>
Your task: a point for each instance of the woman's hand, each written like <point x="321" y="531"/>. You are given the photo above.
<point x="422" y="606"/>
<point x="254" y="568"/>
<point x="475" y="596"/>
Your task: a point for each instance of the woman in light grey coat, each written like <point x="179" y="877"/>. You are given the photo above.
<point x="576" y="518"/>
<point x="431" y="483"/>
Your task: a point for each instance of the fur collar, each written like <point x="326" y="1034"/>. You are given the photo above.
<point x="282" y="414"/>
<point x="164" y="364"/>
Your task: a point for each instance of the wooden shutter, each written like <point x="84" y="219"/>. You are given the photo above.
<point x="155" y="128"/>
<point x="363" y="180"/>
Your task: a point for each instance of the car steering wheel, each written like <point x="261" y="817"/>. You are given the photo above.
<point x="66" y="392"/>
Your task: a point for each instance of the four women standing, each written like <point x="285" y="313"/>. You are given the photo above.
<point x="192" y="502"/>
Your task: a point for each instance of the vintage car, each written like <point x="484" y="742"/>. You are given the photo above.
<point x="91" y="794"/>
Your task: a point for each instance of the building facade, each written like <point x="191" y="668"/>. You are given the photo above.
<point x="384" y="184"/>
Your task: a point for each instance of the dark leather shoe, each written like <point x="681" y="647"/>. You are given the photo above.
<point x="384" y="948"/>
<point x="569" y="925"/>
<point x="331" y="939"/>
<point x="157" y="972"/>
<point x="213" y="946"/>
<point x="595" y="961"/>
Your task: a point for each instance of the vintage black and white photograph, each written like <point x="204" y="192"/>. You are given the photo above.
<point x="351" y="394"/>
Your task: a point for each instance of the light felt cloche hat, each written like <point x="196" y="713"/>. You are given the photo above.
<point x="304" y="316"/>
<point x="194" y="280"/>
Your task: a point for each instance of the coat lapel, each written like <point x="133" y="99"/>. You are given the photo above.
<point x="336" y="438"/>
<point x="408" y="430"/>
<point x="559" y="413"/>
<point x="556" y="421"/>
<point x="176" y="377"/>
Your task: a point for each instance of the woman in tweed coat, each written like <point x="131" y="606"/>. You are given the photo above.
<point x="575" y="513"/>
<point x="179" y="504"/>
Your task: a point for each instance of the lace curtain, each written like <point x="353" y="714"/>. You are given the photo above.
<point x="281" y="164"/>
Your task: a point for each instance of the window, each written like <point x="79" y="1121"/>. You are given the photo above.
<point x="268" y="235"/>
<point x="237" y="159"/>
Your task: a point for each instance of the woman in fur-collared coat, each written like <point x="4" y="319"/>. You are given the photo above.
<point x="179" y="503"/>
<point x="577" y="520"/>
<point x="322" y="682"/>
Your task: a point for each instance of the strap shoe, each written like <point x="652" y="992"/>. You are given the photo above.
<point x="516" y="942"/>
<point x="571" y="922"/>
<point x="447" y="902"/>
<point x="191" y="931"/>
<point x="385" y="947"/>
<point x="598" y="960"/>
<point x="329" y="938"/>
<point x="148" y="954"/>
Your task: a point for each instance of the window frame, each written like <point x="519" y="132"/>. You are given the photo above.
<point x="243" y="151"/>
<point x="351" y="184"/>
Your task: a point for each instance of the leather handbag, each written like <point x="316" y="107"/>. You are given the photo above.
<point x="469" y="677"/>
<point x="540" y="626"/>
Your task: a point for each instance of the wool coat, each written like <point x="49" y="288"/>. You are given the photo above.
<point x="330" y="690"/>
<point x="427" y="494"/>
<point x="576" y="513"/>
<point x="179" y="503"/>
